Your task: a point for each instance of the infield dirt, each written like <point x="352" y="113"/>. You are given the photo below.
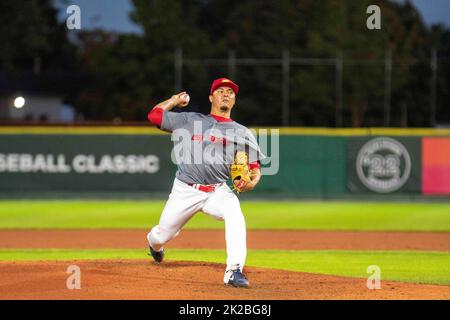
<point x="144" y="279"/>
<point x="283" y="240"/>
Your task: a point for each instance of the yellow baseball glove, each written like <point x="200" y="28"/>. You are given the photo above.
<point x="240" y="171"/>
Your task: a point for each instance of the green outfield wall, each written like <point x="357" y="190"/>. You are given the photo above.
<point x="312" y="163"/>
<point x="309" y="166"/>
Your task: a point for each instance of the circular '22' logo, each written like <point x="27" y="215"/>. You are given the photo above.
<point x="383" y="165"/>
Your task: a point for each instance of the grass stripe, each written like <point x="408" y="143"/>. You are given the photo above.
<point x="294" y="215"/>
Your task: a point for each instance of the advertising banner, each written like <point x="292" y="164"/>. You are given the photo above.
<point x="436" y="166"/>
<point x="85" y="163"/>
<point x="384" y="165"/>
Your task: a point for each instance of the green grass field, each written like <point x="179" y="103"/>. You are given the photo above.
<point x="259" y="215"/>
<point x="409" y="266"/>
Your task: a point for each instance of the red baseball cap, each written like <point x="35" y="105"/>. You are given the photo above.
<point x="224" y="82"/>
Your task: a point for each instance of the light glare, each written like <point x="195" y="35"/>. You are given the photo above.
<point x="19" y="102"/>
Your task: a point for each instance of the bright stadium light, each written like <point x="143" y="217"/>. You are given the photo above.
<point x="19" y="102"/>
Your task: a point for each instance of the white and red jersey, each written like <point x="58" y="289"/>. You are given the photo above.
<point x="205" y="145"/>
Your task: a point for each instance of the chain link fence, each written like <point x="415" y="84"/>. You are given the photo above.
<point x="335" y="91"/>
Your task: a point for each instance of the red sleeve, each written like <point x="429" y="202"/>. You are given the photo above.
<point x="156" y="116"/>
<point x="254" y="165"/>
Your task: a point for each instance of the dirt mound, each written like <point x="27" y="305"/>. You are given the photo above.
<point x="142" y="279"/>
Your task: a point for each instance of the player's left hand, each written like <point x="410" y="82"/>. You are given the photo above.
<point x="244" y="186"/>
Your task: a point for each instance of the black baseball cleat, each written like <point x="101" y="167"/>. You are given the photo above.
<point x="158" y="256"/>
<point x="236" y="279"/>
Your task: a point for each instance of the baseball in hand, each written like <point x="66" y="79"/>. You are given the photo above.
<point x="186" y="98"/>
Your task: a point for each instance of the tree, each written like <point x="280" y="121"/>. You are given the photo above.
<point x="130" y="73"/>
<point x="32" y="39"/>
<point x="440" y="39"/>
<point x="133" y="72"/>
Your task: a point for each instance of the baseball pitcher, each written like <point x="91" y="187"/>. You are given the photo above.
<point x="208" y="150"/>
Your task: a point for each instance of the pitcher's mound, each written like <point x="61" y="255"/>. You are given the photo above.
<point x="142" y="279"/>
